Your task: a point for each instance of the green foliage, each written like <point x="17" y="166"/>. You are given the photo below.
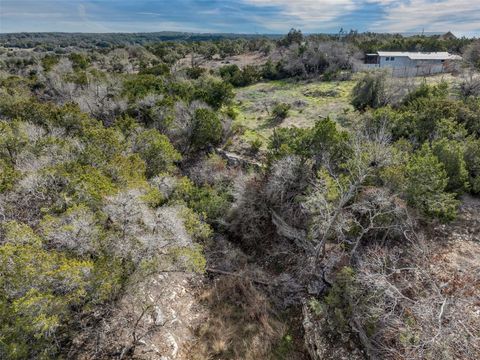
<point x="127" y="125"/>
<point x="108" y="276"/>
<point x="451" y="154"/>
<point x="137" y="87"/>
<point x="425" y="91"/>
<point x="321" y="141"/>
<point x="285" y="141"/>
<point x="280" y="111"/>
<point x="450" y="129"/>
<point x="180" y="90"/>
<point x="255" y="145"/>
<point x="84" y="184"/>
<point x="214" y="92"/>
<point x="427" y="181"/>
<point x="337" y="305"/>
<point x="157" y="152"/>
<point x="229" y="72"/>
<point x="195" y="72"/>
<point x="157" y="70"/>
<point x="127" y="171"/>
<point x="469" y="115"/>
<point x="79" y="61"/>
<point x="207" y="129"/>
<point x="79" y="77"/>
<point x="326" y="138"/>
<point x="153" y="197"/>
<point x="49" y="61"/>
<point x="369" y="92"/>
<point x="271" y="71"/>
<point x="250" y="75"/>
<point x="237" y="77"/>
<point x="198" y="229"/>
<point x="20" y="234"/>
<point x="70" y="118"/>
<point x="13" y="140"/>
<point x="16" y="88"/>
<point x="191" y="257"/>
<point x="284" y="348"/>
<point x="232" y="112"/>
<point x="210" y="203"/>
<point x="100" y="145"/>
<point x="294" y="36"/>
<point x="45" y="114"/>
<point x="472" y="160"/>
<point x="428" y="113"/>
<point x="8" y="175"/>
<point x="39" y="291"/>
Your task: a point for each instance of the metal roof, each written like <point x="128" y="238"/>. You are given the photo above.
<point x="421" y="55"/>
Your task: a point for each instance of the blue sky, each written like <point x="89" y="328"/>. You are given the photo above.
<point x="240" y="16"/>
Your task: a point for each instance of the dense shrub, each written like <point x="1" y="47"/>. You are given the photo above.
<point x="280" y="112"/>
<point x="451" y="154"/>
<point x="157" y="152"/>
<point x="472" y="160"/>
<point x="214" y="92"/>
<point x="157" y="70"/>
<point x="139" y="86"/>
<point x="207" y="129"/>
<point x="369" y="92"/>
<point x="49" y="61"/>
<point x="195" y="72"/>
<point x="205" y="200"/>
<point x="8" y="175"/>
<point x="427" y="181"/>
<point x="271" y="71"/>
<point x="323" y="142"/>
<point x="239" y="77"/>
<point x="293" y="36"/>
<point x="471" y="54"/>
<point x="79" y="61"/>
<point x="41" y="292"/>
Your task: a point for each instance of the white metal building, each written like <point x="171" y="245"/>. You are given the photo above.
<point x="413" y="63"/>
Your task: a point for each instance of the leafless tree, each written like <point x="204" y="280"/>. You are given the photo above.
<point x="470" y="84"/>
<point x="142" y="232"/>
<point x="331" y="214"/>
<point x="75" y="230"/>
<point x="471" y="54"/>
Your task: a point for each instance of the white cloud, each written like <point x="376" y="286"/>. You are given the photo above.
<point x="460" y="16"/>
<point x="382" y="2"/>
<point x="308" y="13"/>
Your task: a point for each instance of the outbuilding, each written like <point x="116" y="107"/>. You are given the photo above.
<point x="413" y="63"/>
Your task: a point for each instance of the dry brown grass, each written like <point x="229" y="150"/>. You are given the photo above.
<point x="242" y="324"/>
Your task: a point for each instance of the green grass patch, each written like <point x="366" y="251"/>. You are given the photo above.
<point x="309" y="101"/>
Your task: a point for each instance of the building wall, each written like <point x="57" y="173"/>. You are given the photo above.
<point x="400" y="61"/>
<point x="403" y="66"/>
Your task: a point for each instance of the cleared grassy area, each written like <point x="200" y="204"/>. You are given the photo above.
<point x="309" y="101"/>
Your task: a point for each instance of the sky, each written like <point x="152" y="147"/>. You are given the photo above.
<point x="462" y="17"/>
